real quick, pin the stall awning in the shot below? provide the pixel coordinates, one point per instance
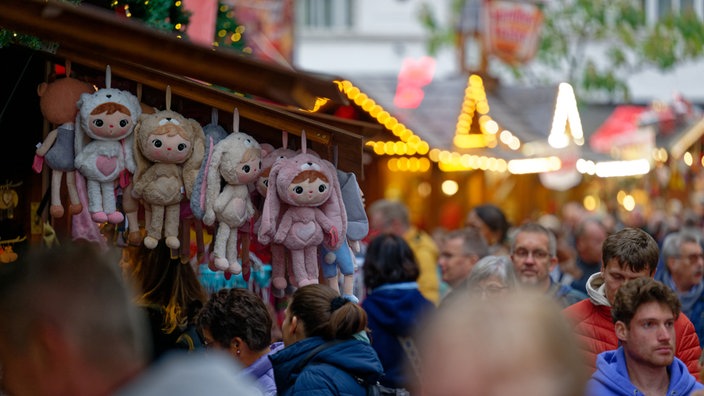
(96, 38)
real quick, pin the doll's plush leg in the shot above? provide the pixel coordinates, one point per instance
(109, 204)
(329, 267)
(220, 247)
(244, 240)
(278, 266)
(171, 220)
(56, 209)
(131, 206)
(95, 202)
(234, 266)
(154, 228)
(75, 206)
(311, 264)
(298, 262)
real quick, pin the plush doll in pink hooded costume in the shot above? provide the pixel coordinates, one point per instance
(279, 260)
(303, 209)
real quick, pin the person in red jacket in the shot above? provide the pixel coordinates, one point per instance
(626, 255)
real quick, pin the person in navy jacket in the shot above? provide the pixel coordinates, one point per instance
(317, 315)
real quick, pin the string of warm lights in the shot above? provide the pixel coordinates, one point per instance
(566, 128)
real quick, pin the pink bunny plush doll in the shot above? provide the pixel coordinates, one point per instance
(236, 160)
(279, 261)
(303, 209)
(107, 117)
(168, 150)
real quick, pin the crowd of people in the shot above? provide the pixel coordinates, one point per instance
(591, 307)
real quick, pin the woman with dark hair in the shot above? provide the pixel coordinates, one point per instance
(321, 354)
(170, 293)
(492, 223)
(238, 322)
(393, 304)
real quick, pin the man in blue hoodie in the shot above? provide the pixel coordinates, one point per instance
(644, 313)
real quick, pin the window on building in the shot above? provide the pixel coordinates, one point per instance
(324, 14)
(658, 9)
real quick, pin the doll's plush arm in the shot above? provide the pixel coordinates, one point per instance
(47, 143)
(284, 228)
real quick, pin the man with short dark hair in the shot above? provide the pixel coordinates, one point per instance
(644, 313)
(460, 250)
(534, 254)
(627, 255)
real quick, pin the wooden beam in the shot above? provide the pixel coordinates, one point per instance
(105, 33)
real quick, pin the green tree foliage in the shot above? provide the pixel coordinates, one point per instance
(597, 44)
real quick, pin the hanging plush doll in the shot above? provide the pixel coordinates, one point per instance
(193, 215)
(236, 160)
(57, 101)
(107, 117)
(357, 228)
(303, 209)
(168, 150)
(279, 260)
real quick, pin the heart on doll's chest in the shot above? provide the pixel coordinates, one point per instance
(106, 165)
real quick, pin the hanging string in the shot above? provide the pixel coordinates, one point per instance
(303, 141)
(284, 139)
(68, 68)
(108, 77)
(236, 120)
(139, 91)
(168, 97)
(214, 116)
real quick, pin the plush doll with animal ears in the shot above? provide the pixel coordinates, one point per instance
(107, 118)
(303, 209)
(237, 161)
(57, 101)
(168, 149)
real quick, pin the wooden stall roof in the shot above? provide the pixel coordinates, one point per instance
(96, 38)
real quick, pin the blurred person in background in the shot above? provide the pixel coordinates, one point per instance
(589, 237)
(459, 252)
(238, 322)
(386, 216)
(518, 344)
(169, 292)
(70, 327)
(683, 271)
(493, 225)
(492, 276)
(393, 304)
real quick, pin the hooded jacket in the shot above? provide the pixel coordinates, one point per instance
(331, 371)
(594, 328)
(611, 377)
(263, 372)
(393, 311)
(426, 252)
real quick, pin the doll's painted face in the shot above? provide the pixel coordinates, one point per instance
(170, 148)
(241, 170)
(110, 121)
(309, 188)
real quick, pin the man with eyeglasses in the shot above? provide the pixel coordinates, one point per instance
(682, 270)
(628, 254)
(534, 254)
